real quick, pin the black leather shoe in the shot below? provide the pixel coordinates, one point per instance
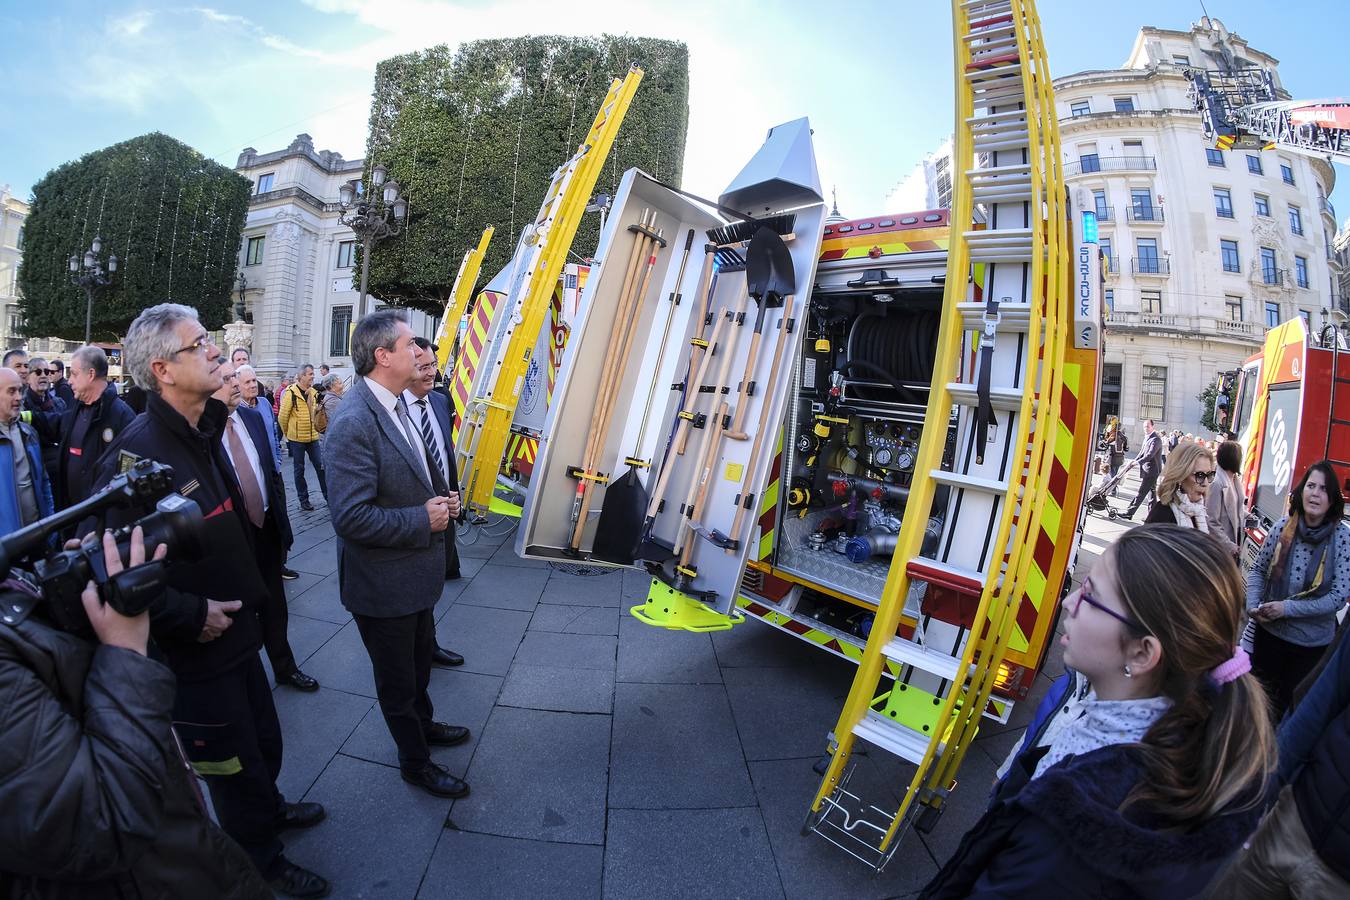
(300, 681)
(436, 779)
(443, 735)
(289, 574)
(295, 881)
(300, 815)
(306, 506)
(443, 657)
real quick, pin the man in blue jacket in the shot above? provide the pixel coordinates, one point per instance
(25, 494)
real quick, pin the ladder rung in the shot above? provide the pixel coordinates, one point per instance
(1012, 316)
(1013, 140)
(988, 173)
(1012, 193)
(908, 653)
(1000, 98)
(896, 739)
(997, 117)
(993, 65)
(945, 574)
(1002, 398)
(969, 482)
(986, 7)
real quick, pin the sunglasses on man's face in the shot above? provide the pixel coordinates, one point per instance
(41, 371)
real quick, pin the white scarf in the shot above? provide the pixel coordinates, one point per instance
(1103, 723)
(1189, 514)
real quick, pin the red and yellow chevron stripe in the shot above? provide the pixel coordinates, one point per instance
(475, 339)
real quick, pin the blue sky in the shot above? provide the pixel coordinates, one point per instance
(874, 77)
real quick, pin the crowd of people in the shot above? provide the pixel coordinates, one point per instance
(1167, 761)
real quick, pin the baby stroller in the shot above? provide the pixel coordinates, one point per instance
(1097, 499)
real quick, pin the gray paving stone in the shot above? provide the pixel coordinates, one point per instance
(675, 747)
(575, 619)
(713, 853)
(811, 867)
(313, 728)
(582, 590)
(487, 638)
(775, 722)
(752, 643)
(311, 536)
(299, 585)
(321, 559)
(558, 688)
(636, 584)
(964, 807)
(307, 635)
(459, 698)
(343, 664)
(474, 541)
(378, 834)
(468, 866)
(568, 651)
(506, 556)
(321, 601)
(665, 656)
(504, 587)
(539, 775)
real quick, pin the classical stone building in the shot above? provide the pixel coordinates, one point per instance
(13, 211)
(297, 261)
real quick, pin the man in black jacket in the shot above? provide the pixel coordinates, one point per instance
(87, 428)
(60, 386)
(98, 801)
(207, 626)
(1149, 461)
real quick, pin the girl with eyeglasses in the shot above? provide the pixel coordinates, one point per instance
(1297, 583)
(1147, 764)
(1181, 490)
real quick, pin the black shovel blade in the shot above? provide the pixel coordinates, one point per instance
(622, 514)
(768, 268)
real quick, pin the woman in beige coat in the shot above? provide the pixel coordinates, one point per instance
(1225, 504)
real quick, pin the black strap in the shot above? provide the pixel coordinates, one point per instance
(984, 409)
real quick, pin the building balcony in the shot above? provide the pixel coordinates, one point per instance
(1150, 215)
(1275, 277)
(1325, 206)
(1111, 266)
(1151, 265)
(1105, 213)
(1193, 326)
(1091, 165)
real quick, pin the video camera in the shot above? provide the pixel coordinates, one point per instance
(62, 574)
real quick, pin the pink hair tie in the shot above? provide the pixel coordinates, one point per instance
(1232, 669)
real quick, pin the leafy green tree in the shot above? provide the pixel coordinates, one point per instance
(172, 217)
(474, 135)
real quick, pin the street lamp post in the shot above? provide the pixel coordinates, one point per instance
(91, 272)
(372, 216)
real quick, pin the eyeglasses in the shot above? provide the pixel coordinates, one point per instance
(196, 345)
(1085, 597)
(42, 371)
(1203, 477)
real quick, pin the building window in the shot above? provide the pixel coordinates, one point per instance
(1112, 266)
(1223, 203)
(1080, 108)
(1146, 253)
(339, 332)
(1141, 204)
(1090, 162)
(254, 253)
(18, 239)
(1215, 157)
(1307, 319)
(1301, 271)
(1270, 272)
(1153, 393)
(1181, 59)
(1103, 211)
(1234, 304)
(1286, 173)
(1110, 296)
(1272, 313)
(1295, 220)
(1134, 149)
(1110, 389)
(15, 324)
(1231, 261)
(1254, 164)
(346, 253)
(1150, 302)
(1262, 205)
(265, 182)
(1124, 104)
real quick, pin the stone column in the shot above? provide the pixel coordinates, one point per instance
(275, 319)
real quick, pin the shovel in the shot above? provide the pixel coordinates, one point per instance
(770, 276)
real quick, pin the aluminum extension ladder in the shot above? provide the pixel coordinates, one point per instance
(465, 280)
(538, 264)
(999, 363)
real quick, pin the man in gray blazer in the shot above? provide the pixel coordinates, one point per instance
(391, 508)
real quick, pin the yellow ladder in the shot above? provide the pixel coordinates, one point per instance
(1007, 159)
(459, 298)
(536, 269)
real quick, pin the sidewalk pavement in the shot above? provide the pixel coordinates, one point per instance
(608, 759)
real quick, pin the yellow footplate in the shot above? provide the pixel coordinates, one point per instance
(668, 608)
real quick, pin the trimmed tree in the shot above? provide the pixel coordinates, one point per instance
(172, 217)
(474, 135)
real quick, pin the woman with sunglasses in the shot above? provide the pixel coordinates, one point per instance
(1148, 763)
(1181, 491)
(1297, 583)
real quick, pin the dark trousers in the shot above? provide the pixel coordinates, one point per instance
(272, 613)
(232, 737)
(400, 649)
(451, 552)
(1146, 485)
(299, 450)
(1281, 665)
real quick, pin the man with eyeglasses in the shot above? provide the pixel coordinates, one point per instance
(45, 408)
(207, 625)
(60, 386)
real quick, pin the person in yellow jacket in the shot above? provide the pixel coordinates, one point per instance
(296, 417)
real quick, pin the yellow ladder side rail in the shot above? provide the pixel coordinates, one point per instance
(569, 202)
(1048, 230)
(465, 280)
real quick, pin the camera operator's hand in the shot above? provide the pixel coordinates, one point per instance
(218, 619)
(113, 628)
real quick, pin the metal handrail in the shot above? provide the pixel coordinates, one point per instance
(1111, 164)
(1144, 213)
(1150, 265)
